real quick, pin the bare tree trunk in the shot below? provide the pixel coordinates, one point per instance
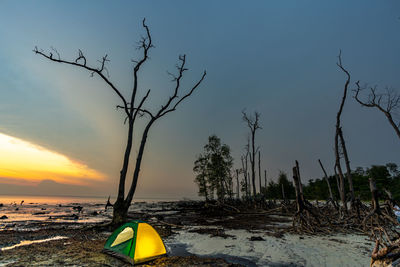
(237, 184)
(253, 124)
(299, 194)
(342, 192)
(338, 131)
(283, 193)
(259, 169)
(244, 167)
(303, 221)
(327, 180)
(252, 161)
(265, 181)
(376, 209)
(249, 183)
(299, 178)
(347, 161)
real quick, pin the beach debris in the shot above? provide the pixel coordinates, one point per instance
(16, 208)
(213, 232)
(3, 217)
(1, 205)
(108, 203)
(78, 208)
(22, 202)
(256, 238)
(39, 213)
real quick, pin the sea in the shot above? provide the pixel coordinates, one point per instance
(35, 212)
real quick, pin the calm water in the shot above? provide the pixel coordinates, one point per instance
(38, 211)
(15, 199)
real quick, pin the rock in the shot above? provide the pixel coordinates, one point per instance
(39, 213)
(3, 217)
(78, 208)
(1, 205)
(256, 238)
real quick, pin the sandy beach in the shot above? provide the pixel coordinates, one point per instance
(61, 235)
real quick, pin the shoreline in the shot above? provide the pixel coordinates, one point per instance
(193, 234)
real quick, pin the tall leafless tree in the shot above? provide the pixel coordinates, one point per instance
(265, 181)
(327, 180)
(259, 169)
(133, 108)
(244, 168)
(254, 124)
(237, 184)
(339, 137)
(387, 103)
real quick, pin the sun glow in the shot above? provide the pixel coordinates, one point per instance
(20, 159)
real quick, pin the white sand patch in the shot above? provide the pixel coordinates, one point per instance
(335, 250)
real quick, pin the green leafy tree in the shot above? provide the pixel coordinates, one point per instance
(213, 169)
(200, 167)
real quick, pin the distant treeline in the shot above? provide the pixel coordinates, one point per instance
(386, 176)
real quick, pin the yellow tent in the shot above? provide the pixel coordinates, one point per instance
(136, 242)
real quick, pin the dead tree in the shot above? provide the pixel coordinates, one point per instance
(132, 109)
(283, 193)
(244, 168)
(259, 170)
(332, 199)
(388, 103)
(299, 179)
(237, 184)
(339, 137)
(376, 209)
(305, 219)
(265, 181)
(253, 124)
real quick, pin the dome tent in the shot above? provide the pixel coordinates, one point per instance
(135, 242)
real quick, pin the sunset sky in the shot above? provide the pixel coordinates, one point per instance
(60, 126)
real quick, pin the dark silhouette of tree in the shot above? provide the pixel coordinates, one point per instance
(332, 198)
(133, 108)
(339, 137)
(237, 183)
(253, 124)
(259, 170)
(388, 103)
(214, 169)
(200, 167)
(245, 184)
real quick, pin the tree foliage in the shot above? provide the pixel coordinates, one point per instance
(386, 176)
(213, 170)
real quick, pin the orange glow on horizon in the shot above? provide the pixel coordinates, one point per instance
(20, 159)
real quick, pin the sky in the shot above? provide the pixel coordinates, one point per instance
(60, 132)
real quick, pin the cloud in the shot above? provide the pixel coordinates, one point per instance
(22, 160)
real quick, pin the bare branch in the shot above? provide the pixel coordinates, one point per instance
(181, 69)
(387, 103)
(146, 44)
(91, 69)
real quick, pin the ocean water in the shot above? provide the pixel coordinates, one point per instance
(35, 212)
